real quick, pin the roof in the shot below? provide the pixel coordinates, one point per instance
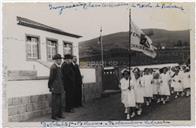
(34, 24)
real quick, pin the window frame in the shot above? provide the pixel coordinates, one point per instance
(68, 42)
(38, 46)
(53, 39)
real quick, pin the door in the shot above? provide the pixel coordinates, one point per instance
(110, 79)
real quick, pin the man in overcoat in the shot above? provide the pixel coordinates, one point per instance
(68, 82)
(78, 86)
(55, 85)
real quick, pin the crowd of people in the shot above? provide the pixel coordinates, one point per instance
(65, 78)
(142, 87)
(138, 87)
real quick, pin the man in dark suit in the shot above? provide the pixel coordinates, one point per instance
(69, 82)
(55, 85)
(78, 87)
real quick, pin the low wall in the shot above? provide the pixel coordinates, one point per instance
(91, 92)
(22, 107)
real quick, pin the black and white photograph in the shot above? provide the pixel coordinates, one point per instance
(98, 63)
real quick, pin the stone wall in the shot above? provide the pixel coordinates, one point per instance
(23, 108)
(26, 107)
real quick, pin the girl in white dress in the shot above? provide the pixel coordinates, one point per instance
(177, 82)
(127, 94)
(148, 88)
(171, 74)
(139, 91)
(186, 81)
(164, 86)
(156, 86)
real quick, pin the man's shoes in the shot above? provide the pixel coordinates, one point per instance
(72, 111)
(79, 105)
(54, 118)
(62, 117)
(69, 110)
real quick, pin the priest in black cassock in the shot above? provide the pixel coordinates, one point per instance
(69, 82)
(78, 86)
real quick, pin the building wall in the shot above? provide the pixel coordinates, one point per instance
(32, 98)
(18, 88)
(14, 44)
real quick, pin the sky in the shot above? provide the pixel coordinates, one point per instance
(87, 22)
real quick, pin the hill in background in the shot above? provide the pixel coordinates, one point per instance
(120, 40)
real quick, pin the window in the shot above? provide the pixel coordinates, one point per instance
(67, 48)
(32, 47)
(51, 48)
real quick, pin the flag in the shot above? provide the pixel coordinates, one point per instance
(139, 41)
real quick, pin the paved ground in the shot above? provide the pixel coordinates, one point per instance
(110, 108)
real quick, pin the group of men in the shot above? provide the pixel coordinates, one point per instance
(65, 77)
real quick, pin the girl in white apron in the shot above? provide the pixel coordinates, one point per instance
(164, 86)
(186, 81)
(171, 74)
(139, 91)
(127, 94)
(147, 83)
(156, 86)
(177, 83)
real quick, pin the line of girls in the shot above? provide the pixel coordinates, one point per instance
(139, 88)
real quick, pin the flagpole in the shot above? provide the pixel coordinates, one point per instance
(101, 47)
(129, 50)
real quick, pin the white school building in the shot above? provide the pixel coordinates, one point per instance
(28, 48)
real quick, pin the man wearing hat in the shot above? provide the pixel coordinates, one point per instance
(68, 82)
(55, 85)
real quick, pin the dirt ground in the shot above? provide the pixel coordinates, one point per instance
(111, 108)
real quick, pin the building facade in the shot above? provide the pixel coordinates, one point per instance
(29, 46)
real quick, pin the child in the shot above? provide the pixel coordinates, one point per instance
(156, 86)
(55, 85)
(177, 82)
(139, 90)
(127, 94)
(164, 86)
(186, 81)
(147, 83)
(171, 74)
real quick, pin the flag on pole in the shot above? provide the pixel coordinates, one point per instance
(140, 41)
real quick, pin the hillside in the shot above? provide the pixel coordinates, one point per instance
(119, 40)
